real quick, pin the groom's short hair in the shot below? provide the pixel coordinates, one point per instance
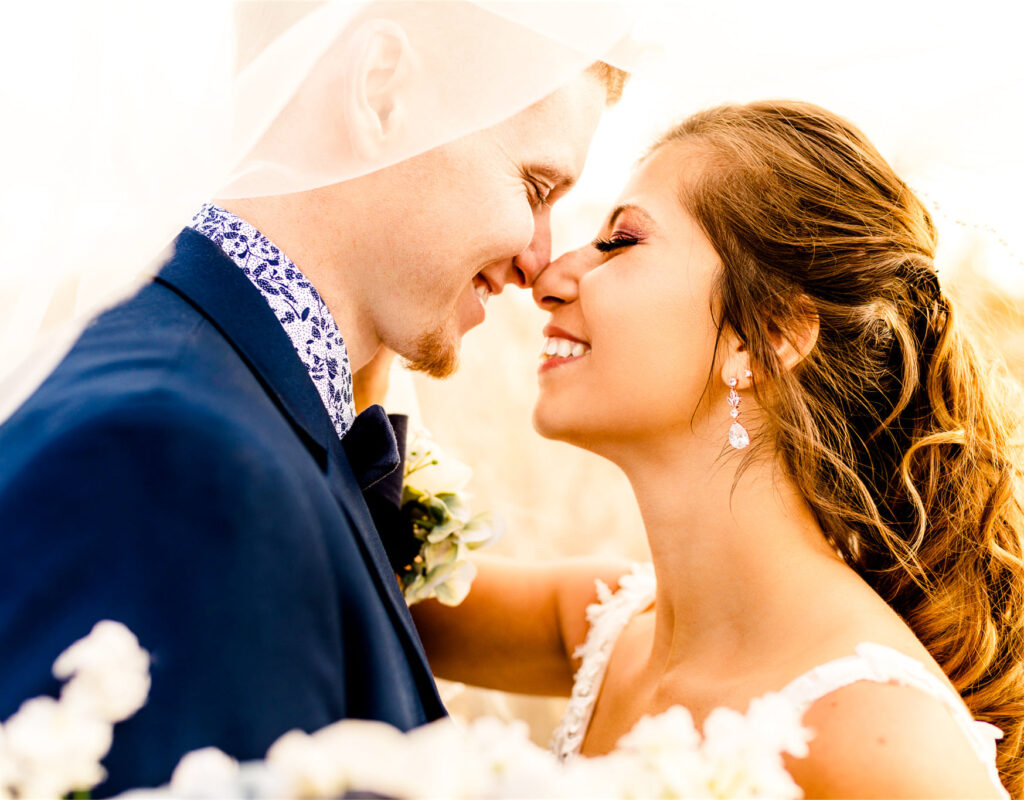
(613, 78)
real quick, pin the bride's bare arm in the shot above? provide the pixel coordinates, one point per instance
(519, 626)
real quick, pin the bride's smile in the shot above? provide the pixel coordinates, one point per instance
(638, 297)
(561, 347)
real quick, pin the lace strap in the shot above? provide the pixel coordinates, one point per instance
(606, 618)
(881, 664)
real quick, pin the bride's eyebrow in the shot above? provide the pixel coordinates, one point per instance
(638, 210)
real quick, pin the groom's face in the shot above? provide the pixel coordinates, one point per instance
(473, 216)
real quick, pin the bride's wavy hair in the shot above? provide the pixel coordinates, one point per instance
(900, 437)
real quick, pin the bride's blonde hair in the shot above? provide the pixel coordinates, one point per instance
(900, 437)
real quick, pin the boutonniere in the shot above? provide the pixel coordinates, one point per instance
(437, 506)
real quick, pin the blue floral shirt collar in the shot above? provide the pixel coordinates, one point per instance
(295, 302)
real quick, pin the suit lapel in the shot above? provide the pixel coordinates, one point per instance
(343, 485)
(203, 275)
(210, 281)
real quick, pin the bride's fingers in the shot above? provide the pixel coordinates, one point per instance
(370, 382)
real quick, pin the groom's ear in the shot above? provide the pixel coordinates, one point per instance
(381, 70)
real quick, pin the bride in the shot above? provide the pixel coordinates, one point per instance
(824, 466)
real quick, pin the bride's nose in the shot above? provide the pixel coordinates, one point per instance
(559, 282)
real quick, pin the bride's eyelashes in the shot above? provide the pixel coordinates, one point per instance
(615, 242)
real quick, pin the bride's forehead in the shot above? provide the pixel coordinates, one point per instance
(672, 163)
(663, 175)
(657, 179)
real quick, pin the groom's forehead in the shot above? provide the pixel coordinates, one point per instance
(553, 135)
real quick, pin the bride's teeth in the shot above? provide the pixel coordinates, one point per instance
(482, 293)
(563, 348)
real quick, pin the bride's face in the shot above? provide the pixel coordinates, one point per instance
(638, 302)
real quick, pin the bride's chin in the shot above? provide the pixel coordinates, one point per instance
(556, 427)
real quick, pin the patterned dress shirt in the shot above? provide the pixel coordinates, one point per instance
(295, 302)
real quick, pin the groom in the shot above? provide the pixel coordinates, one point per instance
(195, 468)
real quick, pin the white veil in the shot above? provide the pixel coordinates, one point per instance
(122, 117)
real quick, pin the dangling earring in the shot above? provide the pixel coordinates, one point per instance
(738, 436)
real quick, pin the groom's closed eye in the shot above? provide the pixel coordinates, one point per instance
(553, 178)
(538, 192)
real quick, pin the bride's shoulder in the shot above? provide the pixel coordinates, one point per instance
(881, 739)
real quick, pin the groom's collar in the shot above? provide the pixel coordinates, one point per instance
(296, 304)
(209, 280)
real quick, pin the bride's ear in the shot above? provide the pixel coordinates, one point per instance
(735, 359)
(381, 70)
(791, 346)
(799, 338)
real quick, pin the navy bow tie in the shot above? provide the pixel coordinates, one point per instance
(375, 446)
(371, 446)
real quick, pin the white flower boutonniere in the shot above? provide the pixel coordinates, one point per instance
(434, 501)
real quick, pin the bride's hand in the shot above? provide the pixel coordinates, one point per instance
(370, 383)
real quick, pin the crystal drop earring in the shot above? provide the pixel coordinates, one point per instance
(738, 436)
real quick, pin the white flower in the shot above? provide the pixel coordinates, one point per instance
(108, 672)
(619, 774)
(8, 775)
(776, 721)
(743, 753)
(439, 554)
(664, 751)
(513, 765)
(443, 521)
(666, 734)
(429, 469)
(308, 769)
(457, 516)
(208, 772)
(56, 748)
(738, 756)
(449, 583)
(444, 759)
(481, 531)
(352, 753)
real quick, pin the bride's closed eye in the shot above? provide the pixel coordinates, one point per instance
(615, 242)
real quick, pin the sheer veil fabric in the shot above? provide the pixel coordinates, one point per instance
(124, 117)
(121, 117)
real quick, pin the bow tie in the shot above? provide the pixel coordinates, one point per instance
(371, 446)
(374, 446)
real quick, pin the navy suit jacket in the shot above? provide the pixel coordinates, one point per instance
(179, 473)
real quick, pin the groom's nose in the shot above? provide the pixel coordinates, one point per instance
(529, 264)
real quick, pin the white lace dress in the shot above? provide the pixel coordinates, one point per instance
(870, 662)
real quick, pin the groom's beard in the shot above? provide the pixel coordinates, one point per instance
(435, 354)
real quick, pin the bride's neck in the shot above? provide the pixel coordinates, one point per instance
(729, 552)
